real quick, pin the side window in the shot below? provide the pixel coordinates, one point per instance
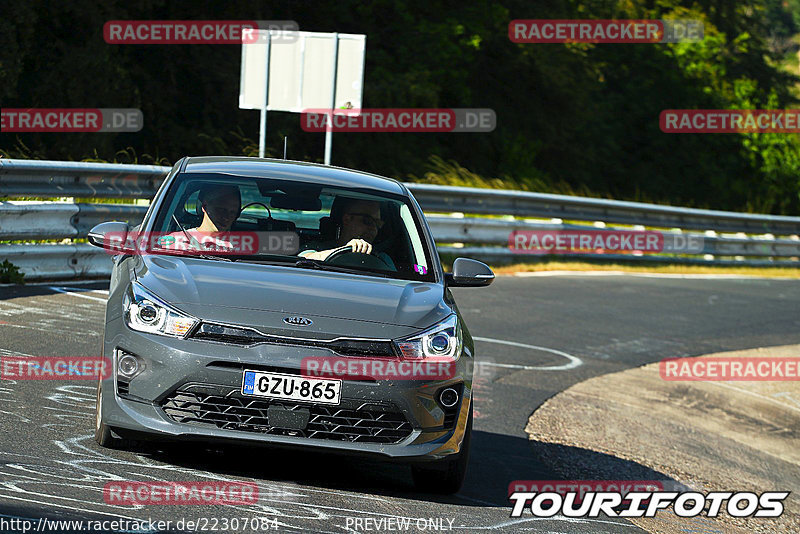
(183, 213)
(421, 264)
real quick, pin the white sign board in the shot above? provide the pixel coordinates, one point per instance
(301, 71)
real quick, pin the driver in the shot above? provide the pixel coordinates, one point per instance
(357, 228)
(221, 205)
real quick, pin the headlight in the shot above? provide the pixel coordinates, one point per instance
(147, 313)
(441, 341)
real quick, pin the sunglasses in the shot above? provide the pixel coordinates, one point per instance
(369, 219)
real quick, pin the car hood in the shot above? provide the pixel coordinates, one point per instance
(262, 296)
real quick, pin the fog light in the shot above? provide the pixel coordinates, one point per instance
(448, 397)
(128, 365)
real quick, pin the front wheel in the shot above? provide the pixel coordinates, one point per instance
(445, 476)
(103, 434)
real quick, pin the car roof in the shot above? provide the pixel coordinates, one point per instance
(300, 171)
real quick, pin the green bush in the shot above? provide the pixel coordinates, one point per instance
(9, 273)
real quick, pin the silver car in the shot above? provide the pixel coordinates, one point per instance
(291, 305)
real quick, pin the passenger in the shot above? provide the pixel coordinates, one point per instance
(221, 205)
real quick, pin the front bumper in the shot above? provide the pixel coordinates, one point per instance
(191, 390)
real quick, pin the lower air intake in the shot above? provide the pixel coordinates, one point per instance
(226, 408)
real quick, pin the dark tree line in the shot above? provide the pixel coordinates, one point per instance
(576, 118)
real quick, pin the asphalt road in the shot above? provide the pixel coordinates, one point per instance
(537, 336)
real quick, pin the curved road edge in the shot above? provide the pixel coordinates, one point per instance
(709, 436)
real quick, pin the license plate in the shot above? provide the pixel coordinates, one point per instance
(291, 387)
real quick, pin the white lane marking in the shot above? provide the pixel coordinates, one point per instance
(50, 330)
(651, 275)
(76, 294)
(574, 361)
(788, 395)
(9, 352)
(85, 459)
(754, 394)
(71, 282)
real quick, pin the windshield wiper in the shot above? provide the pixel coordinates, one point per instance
(306, 263)
(303, 263)
(183, 254)
(210, 257)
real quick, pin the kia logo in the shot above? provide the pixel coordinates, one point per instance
(298, 321)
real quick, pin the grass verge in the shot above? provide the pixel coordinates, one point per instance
(771, 272)
(638, 266)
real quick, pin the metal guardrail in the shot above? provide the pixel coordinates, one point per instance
(484, 238)
(21, 178)
(33, 178)
(58, 262)
(475, 230)
(58, 220)
(435, 198)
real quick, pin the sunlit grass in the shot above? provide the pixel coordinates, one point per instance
(781, 272)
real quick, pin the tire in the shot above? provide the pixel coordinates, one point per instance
(445, 476)
(103, 434)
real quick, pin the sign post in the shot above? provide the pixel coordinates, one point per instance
(295, 71)
(262, 127)
(329, 129)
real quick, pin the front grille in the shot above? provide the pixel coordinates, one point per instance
(248, 337)
(228, 409)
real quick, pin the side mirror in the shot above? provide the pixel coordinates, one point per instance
(112, 236)
(469, 273)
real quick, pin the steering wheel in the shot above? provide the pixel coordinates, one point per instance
(257, 204)
(347, 257)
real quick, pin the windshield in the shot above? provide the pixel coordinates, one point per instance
(300, 224)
